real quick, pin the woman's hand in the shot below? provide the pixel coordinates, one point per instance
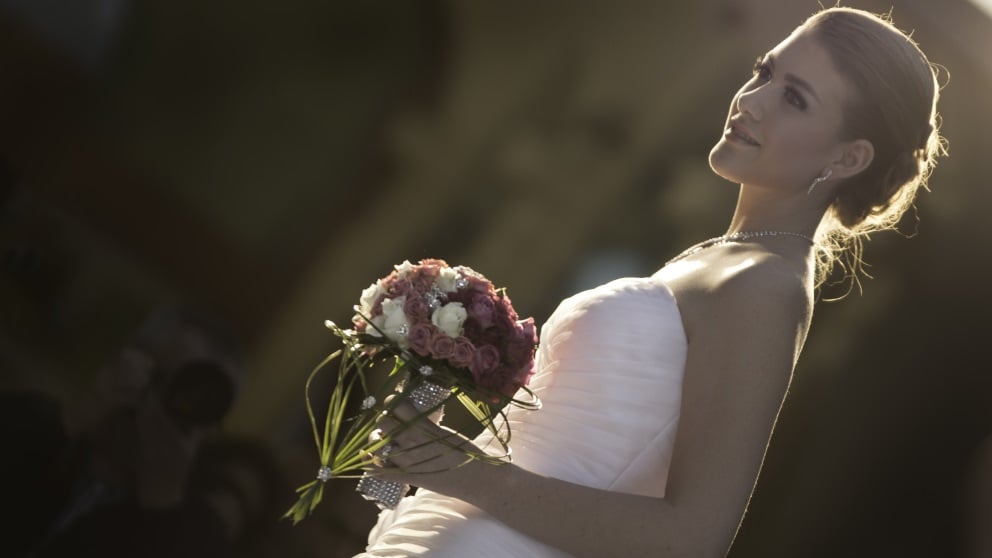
(422, 453)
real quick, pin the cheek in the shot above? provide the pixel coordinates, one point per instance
(796, 156)
(802, 146)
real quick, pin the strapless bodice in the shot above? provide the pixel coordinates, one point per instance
(609, 374)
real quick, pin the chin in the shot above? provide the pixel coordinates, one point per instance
(721, 167)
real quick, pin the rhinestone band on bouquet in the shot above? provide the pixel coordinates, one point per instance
(449, 334)
(387, 494)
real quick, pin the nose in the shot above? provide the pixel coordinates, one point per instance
(748, 102)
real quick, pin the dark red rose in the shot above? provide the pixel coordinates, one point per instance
(501, 381)
(486, 360)
(482, 309)
(472, 332)
(528, 330)
(525, 372)
(504, 302)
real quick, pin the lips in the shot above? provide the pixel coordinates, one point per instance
(740, 133)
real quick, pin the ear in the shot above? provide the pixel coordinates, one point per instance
(855, 157)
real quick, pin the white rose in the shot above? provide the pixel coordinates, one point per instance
(395, 320)
(446, 280)
(379, 322)
(449, 318)
(404, 268)
(369, 296)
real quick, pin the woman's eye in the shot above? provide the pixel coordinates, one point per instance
(761, 70)
(794, 98)
(763, 73)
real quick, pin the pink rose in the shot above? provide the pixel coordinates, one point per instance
(463, 354)
(425, 273)
(422, 282)
(433, 263)
(399, 287)
(442, 346)
(420, 336)
(416, 309)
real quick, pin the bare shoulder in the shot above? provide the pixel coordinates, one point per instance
(744, 290)
(763, 280)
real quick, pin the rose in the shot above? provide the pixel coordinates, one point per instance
(420, 337)
(493, 336)
(502, 381)
(518, 353)
(522, 342)
(449, 318)
(463, 354)
(481, 310)
(442, 346)
(398, 286)
(472, 331)
(447, 279)
(528, 331)
(485, 361)
(422, 282)
(369, 297)
(425, 273)
(504, 302)
(404, 268)
(394, 321)
(432, 264)
(525, 372)
(476, 281)
(415, 308)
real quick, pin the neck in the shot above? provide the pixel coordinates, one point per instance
(764, 209)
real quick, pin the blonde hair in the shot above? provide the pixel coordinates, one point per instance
(895, 108)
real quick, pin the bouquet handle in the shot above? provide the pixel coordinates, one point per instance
(387, 494)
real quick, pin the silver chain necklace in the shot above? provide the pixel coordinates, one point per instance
(735, 237)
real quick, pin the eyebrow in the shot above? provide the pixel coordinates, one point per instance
(794, 79)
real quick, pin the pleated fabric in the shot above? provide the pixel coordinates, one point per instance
(609, 375)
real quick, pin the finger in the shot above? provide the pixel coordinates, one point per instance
(382, 457)
(378, 450)
(404, 410)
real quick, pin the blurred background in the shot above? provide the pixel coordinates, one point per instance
(265, 161)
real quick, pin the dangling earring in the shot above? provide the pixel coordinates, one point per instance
(818, 180)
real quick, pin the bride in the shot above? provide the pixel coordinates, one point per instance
(660, 393)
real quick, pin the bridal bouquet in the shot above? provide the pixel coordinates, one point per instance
(445, 332)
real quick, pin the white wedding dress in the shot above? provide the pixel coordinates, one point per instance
(609, 375)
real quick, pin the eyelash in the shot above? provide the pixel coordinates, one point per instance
(763, 72)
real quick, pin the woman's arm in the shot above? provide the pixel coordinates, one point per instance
(738, 367)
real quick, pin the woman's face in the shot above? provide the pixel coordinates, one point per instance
(784, 124)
